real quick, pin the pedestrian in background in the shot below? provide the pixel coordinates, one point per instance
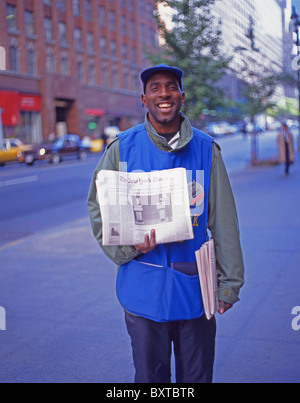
(285, 145)
(167, 140)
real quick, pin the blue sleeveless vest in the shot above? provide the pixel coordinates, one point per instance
(148, 286)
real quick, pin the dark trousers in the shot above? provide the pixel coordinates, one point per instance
(194, 349)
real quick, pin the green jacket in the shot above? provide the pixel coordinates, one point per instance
(222, 215)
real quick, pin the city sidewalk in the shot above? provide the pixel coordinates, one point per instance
(256, 342)
(64, 323)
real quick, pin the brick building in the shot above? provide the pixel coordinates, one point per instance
(72, 65)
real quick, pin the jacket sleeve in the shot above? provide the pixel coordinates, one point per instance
(109, 161)
(224, 227)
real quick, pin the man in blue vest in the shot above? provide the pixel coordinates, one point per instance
(162, 298)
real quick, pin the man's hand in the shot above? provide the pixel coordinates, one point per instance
(149, 243)
(223, 307)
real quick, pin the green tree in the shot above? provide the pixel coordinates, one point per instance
(194, 45)
(260, 82)
(286, 108)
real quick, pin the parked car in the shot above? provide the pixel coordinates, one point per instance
(219, 129)
(11, 150)
(276, 125)
(227, 128)
(69, 145)
(213, 129)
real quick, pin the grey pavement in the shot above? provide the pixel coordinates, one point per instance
(64, 324)
(256, 342)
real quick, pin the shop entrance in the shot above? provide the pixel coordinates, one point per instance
(62, 111)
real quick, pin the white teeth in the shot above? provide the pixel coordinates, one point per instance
(164, 106)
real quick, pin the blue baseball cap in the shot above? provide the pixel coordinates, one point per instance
(162, 67)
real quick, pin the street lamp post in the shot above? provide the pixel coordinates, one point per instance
(296, 22)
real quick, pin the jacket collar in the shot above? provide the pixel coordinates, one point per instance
(186, 135)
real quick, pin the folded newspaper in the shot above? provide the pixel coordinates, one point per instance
(207, 267)
(134, 203)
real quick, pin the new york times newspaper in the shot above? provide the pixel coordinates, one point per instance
(132, 204)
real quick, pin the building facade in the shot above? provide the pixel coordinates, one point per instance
(271, 45)
(72, 65)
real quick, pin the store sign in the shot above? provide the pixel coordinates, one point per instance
(95, 112)
(30, 103)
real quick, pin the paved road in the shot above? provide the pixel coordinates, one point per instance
(41, 197)
(63, 322)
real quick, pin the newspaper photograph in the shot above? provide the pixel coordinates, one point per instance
(134, 203)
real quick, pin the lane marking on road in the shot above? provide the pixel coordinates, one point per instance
(19, 181)
(50, 233)
(14, 243)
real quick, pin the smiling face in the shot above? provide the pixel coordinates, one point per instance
(163, 98)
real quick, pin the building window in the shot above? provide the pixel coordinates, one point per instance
(102, 19)
(90, 43)
(92, 73)
(103, 46)
(132, 29)
(104, 76)
(31, 60)
(130, 5)
(50, 61)
(123, 25)
(78, 39)
(113, 49)
(62, 33)
(48, 33)
(142, 7)
(136, 82)
(29, 25)
(76, 8)
(80, 73)
(126, 80)
(124, 53)
(115, 78)
(143, 33)
(64, 64)
(11, 17)
(149, 11)
(152, 37)
(60, 4)
(13, 55)
(133, 56)
(88, 10)
(112, 20)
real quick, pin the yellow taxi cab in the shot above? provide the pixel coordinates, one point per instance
(10, 150)
(97, 146)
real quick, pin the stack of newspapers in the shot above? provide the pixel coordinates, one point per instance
(207, 268)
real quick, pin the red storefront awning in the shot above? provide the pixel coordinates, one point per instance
(12, 103)
(10, 106)
(95, 112)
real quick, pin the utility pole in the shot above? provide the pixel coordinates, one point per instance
(296, 22)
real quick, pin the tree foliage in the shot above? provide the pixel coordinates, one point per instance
(193, 44)
(259, 83)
